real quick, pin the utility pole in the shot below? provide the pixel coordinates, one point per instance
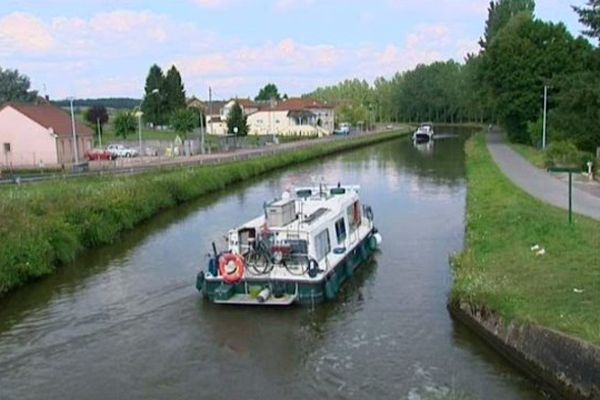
(545, 117)
(99, 134)
(202, 119)
(210, 110)
(74, 132)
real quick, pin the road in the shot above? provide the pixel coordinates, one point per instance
(539, 183)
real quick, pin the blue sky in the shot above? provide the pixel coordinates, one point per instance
(98, 48)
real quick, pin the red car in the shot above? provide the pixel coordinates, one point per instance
(98, 155)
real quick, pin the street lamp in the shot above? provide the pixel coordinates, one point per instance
(139, 115)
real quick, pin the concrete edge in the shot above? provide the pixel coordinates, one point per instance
(565, 366)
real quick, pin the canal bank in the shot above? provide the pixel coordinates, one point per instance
(528, 282)
(50, 223)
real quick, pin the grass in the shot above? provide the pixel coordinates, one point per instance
(531, 154)
(47, 224)
(498, 270)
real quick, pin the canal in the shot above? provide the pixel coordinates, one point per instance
(125, 321)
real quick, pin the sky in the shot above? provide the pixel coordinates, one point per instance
(104, 48)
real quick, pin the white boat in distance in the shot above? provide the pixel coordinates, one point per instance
(424, 133)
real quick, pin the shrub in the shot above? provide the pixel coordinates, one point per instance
(563, 154)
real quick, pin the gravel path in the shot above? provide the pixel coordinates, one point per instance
(539, 183)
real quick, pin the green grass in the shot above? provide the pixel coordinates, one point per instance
(531, 154)
(50, 223)
(498, 270)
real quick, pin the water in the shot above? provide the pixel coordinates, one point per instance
(125, 321)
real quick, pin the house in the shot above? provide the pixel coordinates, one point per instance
(40, 134)
(296, 116)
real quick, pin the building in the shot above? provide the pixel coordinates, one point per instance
(40, 135)
(301, 117)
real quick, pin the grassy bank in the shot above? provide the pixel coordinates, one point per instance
(498, 270)
(46, 224)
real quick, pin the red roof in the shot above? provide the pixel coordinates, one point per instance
(246, 103)
(297, 105)
(51, 116)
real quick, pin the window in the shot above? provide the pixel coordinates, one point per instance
(7, 147)
(353, 213)
(276, 121)
(322, 244)
(340, 230)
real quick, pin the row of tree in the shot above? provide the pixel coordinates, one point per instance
(504, 82)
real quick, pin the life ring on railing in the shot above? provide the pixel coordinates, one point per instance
(231, 268)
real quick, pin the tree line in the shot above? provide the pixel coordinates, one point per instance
(502, 83)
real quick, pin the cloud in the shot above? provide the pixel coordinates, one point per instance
(24, 33)
(285, 5)
(212, 3)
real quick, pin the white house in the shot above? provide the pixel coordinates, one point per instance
(40, 134)
(299, 116)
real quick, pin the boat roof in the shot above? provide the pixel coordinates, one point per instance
(315, 209)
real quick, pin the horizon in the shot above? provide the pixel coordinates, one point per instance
(105, 48)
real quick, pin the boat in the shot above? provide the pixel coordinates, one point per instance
(300, 250)
(424, 133)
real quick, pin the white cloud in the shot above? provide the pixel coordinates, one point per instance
(285, 5)
(24, 33)
(212, 3)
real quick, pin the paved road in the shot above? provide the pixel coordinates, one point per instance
(538, 182)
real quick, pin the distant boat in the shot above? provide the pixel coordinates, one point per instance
(424, 133)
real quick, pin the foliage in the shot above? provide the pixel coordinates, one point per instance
(269, 92)
(174, 91)
(535, 131)
(236, 120)
(119, 103)
(525, 55)
(124, 124)
(576, 116)
(590, 17)
(500, 13)
(562, 154)
(15, 87)
(498, 270)
(96, 115)
(153, 104)
(50, 223)
(184, 121)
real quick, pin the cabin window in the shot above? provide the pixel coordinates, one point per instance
(340, 230)
(7, 147)
(322, 244)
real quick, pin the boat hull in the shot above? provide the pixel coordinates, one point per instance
(297, 291)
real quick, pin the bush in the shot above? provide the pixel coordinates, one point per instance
(562, 154)
(534, 130)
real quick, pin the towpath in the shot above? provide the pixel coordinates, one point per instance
(539, 183)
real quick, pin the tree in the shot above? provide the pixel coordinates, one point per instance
(236, 120)
(590, 17)
(267, 93)
(124, 124)
(97, 115)
(523, 57)
(174, 91)
(15, 87)
(153, 104)
(500, 13)
(576, 117)
(184, 120)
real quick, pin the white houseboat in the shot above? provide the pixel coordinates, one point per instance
(300, 250)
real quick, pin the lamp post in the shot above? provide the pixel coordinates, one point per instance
(139, 115)
(544, 128)
(74, 132)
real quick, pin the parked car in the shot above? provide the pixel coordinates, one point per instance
(118, 150)
(98, 155)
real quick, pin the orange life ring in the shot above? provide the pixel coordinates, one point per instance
(231, 268)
